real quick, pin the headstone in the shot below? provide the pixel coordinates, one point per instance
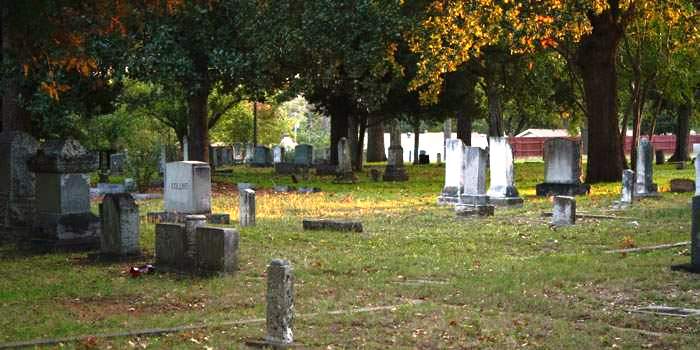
(277, 154)
(627, 187)
(473, 176)
(564, 212)
(247, 207)
(454, 167)
(502, 189)
(304, 155)
(644, 183)
(660, 157)
(474, 210)
(682, 185)
(423, 158)
(129, 185)
(116, 163)
(395, 171)
(344, 172)
(280, 302)
(238, 152)
(325, 169)
(249, 152)
(262, 157)
(63, 218)
(217, 250)
(192, 222)
(185, 149)
(439, 159)
(562, 172)
(103, 172)
(119, 216)
(17, 185)
(332, 225)
(285, 168)
(213, 157)
(187, 187)
(694, 265)
(171, 247)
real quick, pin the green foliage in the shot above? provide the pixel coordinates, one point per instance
(236, 124)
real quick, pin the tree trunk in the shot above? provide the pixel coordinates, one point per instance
(375, 141)
(596, 59)
(416, 142)
(464, 128)
(359, 146)
(198, 116)
(353, 127)
(255, 123)
(14, 117)
(682, 132)
(493, 94)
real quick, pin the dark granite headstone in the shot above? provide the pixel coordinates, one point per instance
(17, 185)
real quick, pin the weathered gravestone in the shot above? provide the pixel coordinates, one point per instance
(395, 171)
(119, 217)
(238, 152)
(277, 154)
(187, 191)
(344, 172)
(564, 212)
(660, 157)
(303, 155)
(192, 222)
(627, 195)
(280, 302)
(171, 247)
(247, 207)
(454, 167)
(63, 217)
(262, 157)
(249, 153)
(439, 159)
(682, 185)
(473, 199)
(423, 158)
(332, 225)
(217, 250)
(17, 185)
(694, 265)
(562, 172)
(502, 189)
(116, 163)
(644, 183)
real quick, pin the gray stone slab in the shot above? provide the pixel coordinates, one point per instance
(217, 250)
(17, 184)
(262, 157)
(304, 155)
(280, 302)
(344, 172)
(332, 225)
(502, 191)
(627, 195)
(454, 168)
(247, 208)
(119, 216)
(564, 211)
(466, 210)
(171, 247)
(644, 183)
(473, 176)
(187, 187)
(682, 185)
(395, 170)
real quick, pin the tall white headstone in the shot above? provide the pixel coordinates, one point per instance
(644, 183)
(502, 189)
(454, 168)
(187, 187)
(474, 176)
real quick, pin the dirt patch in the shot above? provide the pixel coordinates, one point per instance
(99, 308)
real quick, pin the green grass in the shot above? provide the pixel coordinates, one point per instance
(508, 281)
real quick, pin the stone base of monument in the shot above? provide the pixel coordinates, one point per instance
(393, 173)
(162, 216)
(467, 199)
(506, 201)
(689, 268)
(325, 169)
(332, 225)
(285, 168)
(555, 189)
(447, 200)
(66, 232)
(682, 185)
(467, 210)
(652, 192)
(265, 344)
(345, 178)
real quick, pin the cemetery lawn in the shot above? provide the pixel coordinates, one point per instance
(508, 281)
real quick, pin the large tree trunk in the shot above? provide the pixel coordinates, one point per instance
(682, 132)
(198, 116)
(359, 146)
(464, 127)
(596, 59)
(338, 109)
(375, 141)
(14, 117)
(353, 126)
(493, 95)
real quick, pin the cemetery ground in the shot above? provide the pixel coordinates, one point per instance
(506, 281)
